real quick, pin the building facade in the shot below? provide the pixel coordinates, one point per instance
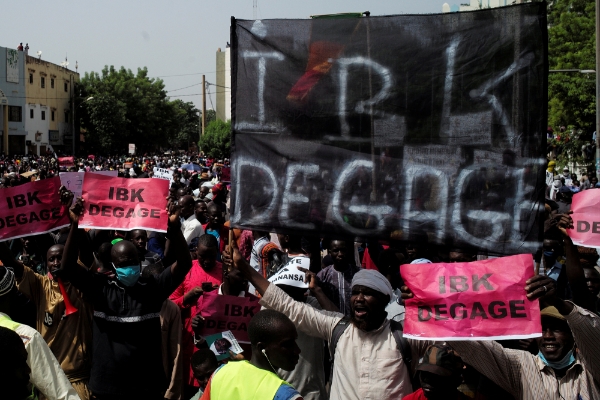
(478, 5)
(223, 89)
(12, 100)
(48, 112)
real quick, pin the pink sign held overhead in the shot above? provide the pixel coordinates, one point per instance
(586, 218)
(481, 300)
(31, 209)
(124, 204)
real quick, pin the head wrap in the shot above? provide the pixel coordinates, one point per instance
(374, 280)
(290, 275)
(7, 282)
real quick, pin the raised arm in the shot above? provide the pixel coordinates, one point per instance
(178, 245)
(317, 292)
(581, 295)
(69, 267)
(9, 260)
(313, 322)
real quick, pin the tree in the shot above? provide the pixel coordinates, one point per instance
(126, 108)
(186, 118)
(571, 95)
(216, 141)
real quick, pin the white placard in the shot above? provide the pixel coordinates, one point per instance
(163, 173)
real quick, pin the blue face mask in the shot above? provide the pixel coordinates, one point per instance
(128, 275)
(562, 364)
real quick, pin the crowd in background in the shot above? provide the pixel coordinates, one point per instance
(118, 314)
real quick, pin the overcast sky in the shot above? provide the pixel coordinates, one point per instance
(175, 39)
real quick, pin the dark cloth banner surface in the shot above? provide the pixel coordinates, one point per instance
(32, 208)
(393, 127)
(124, 204)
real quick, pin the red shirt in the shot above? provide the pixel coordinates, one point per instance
(194, 278)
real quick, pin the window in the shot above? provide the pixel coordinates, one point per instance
(31, 78)
(43, 115)
(14, 114)
(52, 115)
(67, 116)
(31, 113)
(66, 87)
(43, 82)
(52, 83)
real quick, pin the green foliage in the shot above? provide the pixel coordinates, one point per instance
(571, 95)
(186, 119)
(572, 45)
(211, 115)
(216, 141)
(129, 108)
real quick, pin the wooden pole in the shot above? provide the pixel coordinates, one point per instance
(203, 104)
(5, 129)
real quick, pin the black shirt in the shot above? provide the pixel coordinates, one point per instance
(127, 358)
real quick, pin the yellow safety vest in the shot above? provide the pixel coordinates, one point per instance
(8, 323)
(240, 380)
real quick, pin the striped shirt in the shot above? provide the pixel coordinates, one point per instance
(337, 286)
(525, 376)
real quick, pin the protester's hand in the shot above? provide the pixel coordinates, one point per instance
(209, 286)
(76, 210)
(174, 220)
(192, 296)
(564, 222)
(234, 258)
(310, 278)
(541, 287)
(235, 357)
(66, 196)
(197, 323)
(406, 294)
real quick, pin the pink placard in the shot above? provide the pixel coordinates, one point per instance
(471, 301)
(586, 218)
(228, 313)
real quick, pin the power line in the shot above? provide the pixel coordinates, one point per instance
(214, 84)
(174, 90)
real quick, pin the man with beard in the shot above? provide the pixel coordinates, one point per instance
(367, 362)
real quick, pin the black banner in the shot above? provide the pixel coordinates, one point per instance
(393, 127)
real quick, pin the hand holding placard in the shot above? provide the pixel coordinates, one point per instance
(126, 204)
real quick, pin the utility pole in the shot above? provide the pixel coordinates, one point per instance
(73, 116)
(204, 103)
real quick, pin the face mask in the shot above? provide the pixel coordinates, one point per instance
(549, 254)
(562, 364)
(128, 275)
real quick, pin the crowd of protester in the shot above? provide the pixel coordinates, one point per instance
(118, 315)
